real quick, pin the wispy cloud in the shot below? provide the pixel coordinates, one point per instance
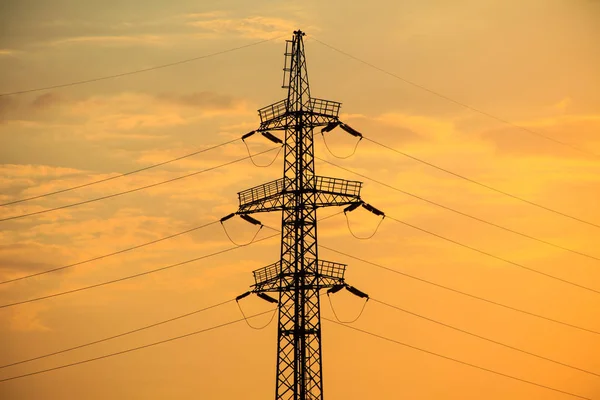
(7, 53)
(251, 27)
(114, 40)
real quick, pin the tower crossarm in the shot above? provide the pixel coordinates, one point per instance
(270, 196)
(275, 116)
(271, 277)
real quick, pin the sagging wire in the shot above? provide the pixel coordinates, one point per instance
(269, 136)
(244, 217)
(354, 291)
(369, 208)
(262, 296)
(348, 129)
(337, 156)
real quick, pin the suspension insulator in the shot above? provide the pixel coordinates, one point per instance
(247, 135)
(372, 209)
(335, 289)
(250, 219)
(267, 298)
(241, 296)
(351, 131)
(330, 126)
(356, 292)
(352, 207)
(225, 218)
(272, 137)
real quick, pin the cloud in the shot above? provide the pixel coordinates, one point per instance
(46, 100)
(251, 27)
(203, 100)
(563, 105)
(578, 130)
(7, 53)
(28, 319)
(35, 171)
(113, 40)
(103, 116)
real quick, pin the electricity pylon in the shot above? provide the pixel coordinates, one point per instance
(299, 274)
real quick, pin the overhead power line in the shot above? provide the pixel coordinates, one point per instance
(132, 349)
(137, 247)
(489, 187)
(130, 276)
(456, 360)
(457, 211)
(463, 293)
(109, 254)
(117, 176)
(482, 337)
(442, 96)
(131, 190)
(138, 71)
(494, 256)
(118, 335)
(407, 275)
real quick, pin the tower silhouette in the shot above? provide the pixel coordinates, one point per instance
(299, 274)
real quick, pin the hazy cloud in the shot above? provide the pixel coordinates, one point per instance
(579, 130)
(46, 100)
(203, 100)
(113, 40)
(7, 52)
(252, 27)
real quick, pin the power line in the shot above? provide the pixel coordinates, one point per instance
(130, 276)
(118, 335)
(458, 212)
(138, 71)
(494, 256)
(482, 337)
(109, 254)
(449, 288)
(487, 114)
(456, 360)
(490, 188)
(132, 349)
(407, 275)
(131, 190)
(137, 247)
(117, 176)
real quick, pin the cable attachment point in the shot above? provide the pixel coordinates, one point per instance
(272, 137)
(351, 131)
(372, 209)
(354, 291)
(251, 220)
(241, 296)
(247, 135)
(267, 298)
(225, 218)
(353, 207)
(244, 217)
(330, 126)
(335, 289)
(369, 208)
(357, 292)
(268, 136)
(345, 127)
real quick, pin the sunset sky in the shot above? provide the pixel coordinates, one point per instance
(534, 63)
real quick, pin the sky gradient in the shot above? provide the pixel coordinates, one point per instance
(533, 63)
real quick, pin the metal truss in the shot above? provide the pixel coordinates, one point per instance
(299, 274)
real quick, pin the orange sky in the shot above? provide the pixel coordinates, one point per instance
(531, 62)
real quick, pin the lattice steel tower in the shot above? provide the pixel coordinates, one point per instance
(299, 274)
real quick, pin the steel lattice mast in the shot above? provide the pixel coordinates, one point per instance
(299, 274)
